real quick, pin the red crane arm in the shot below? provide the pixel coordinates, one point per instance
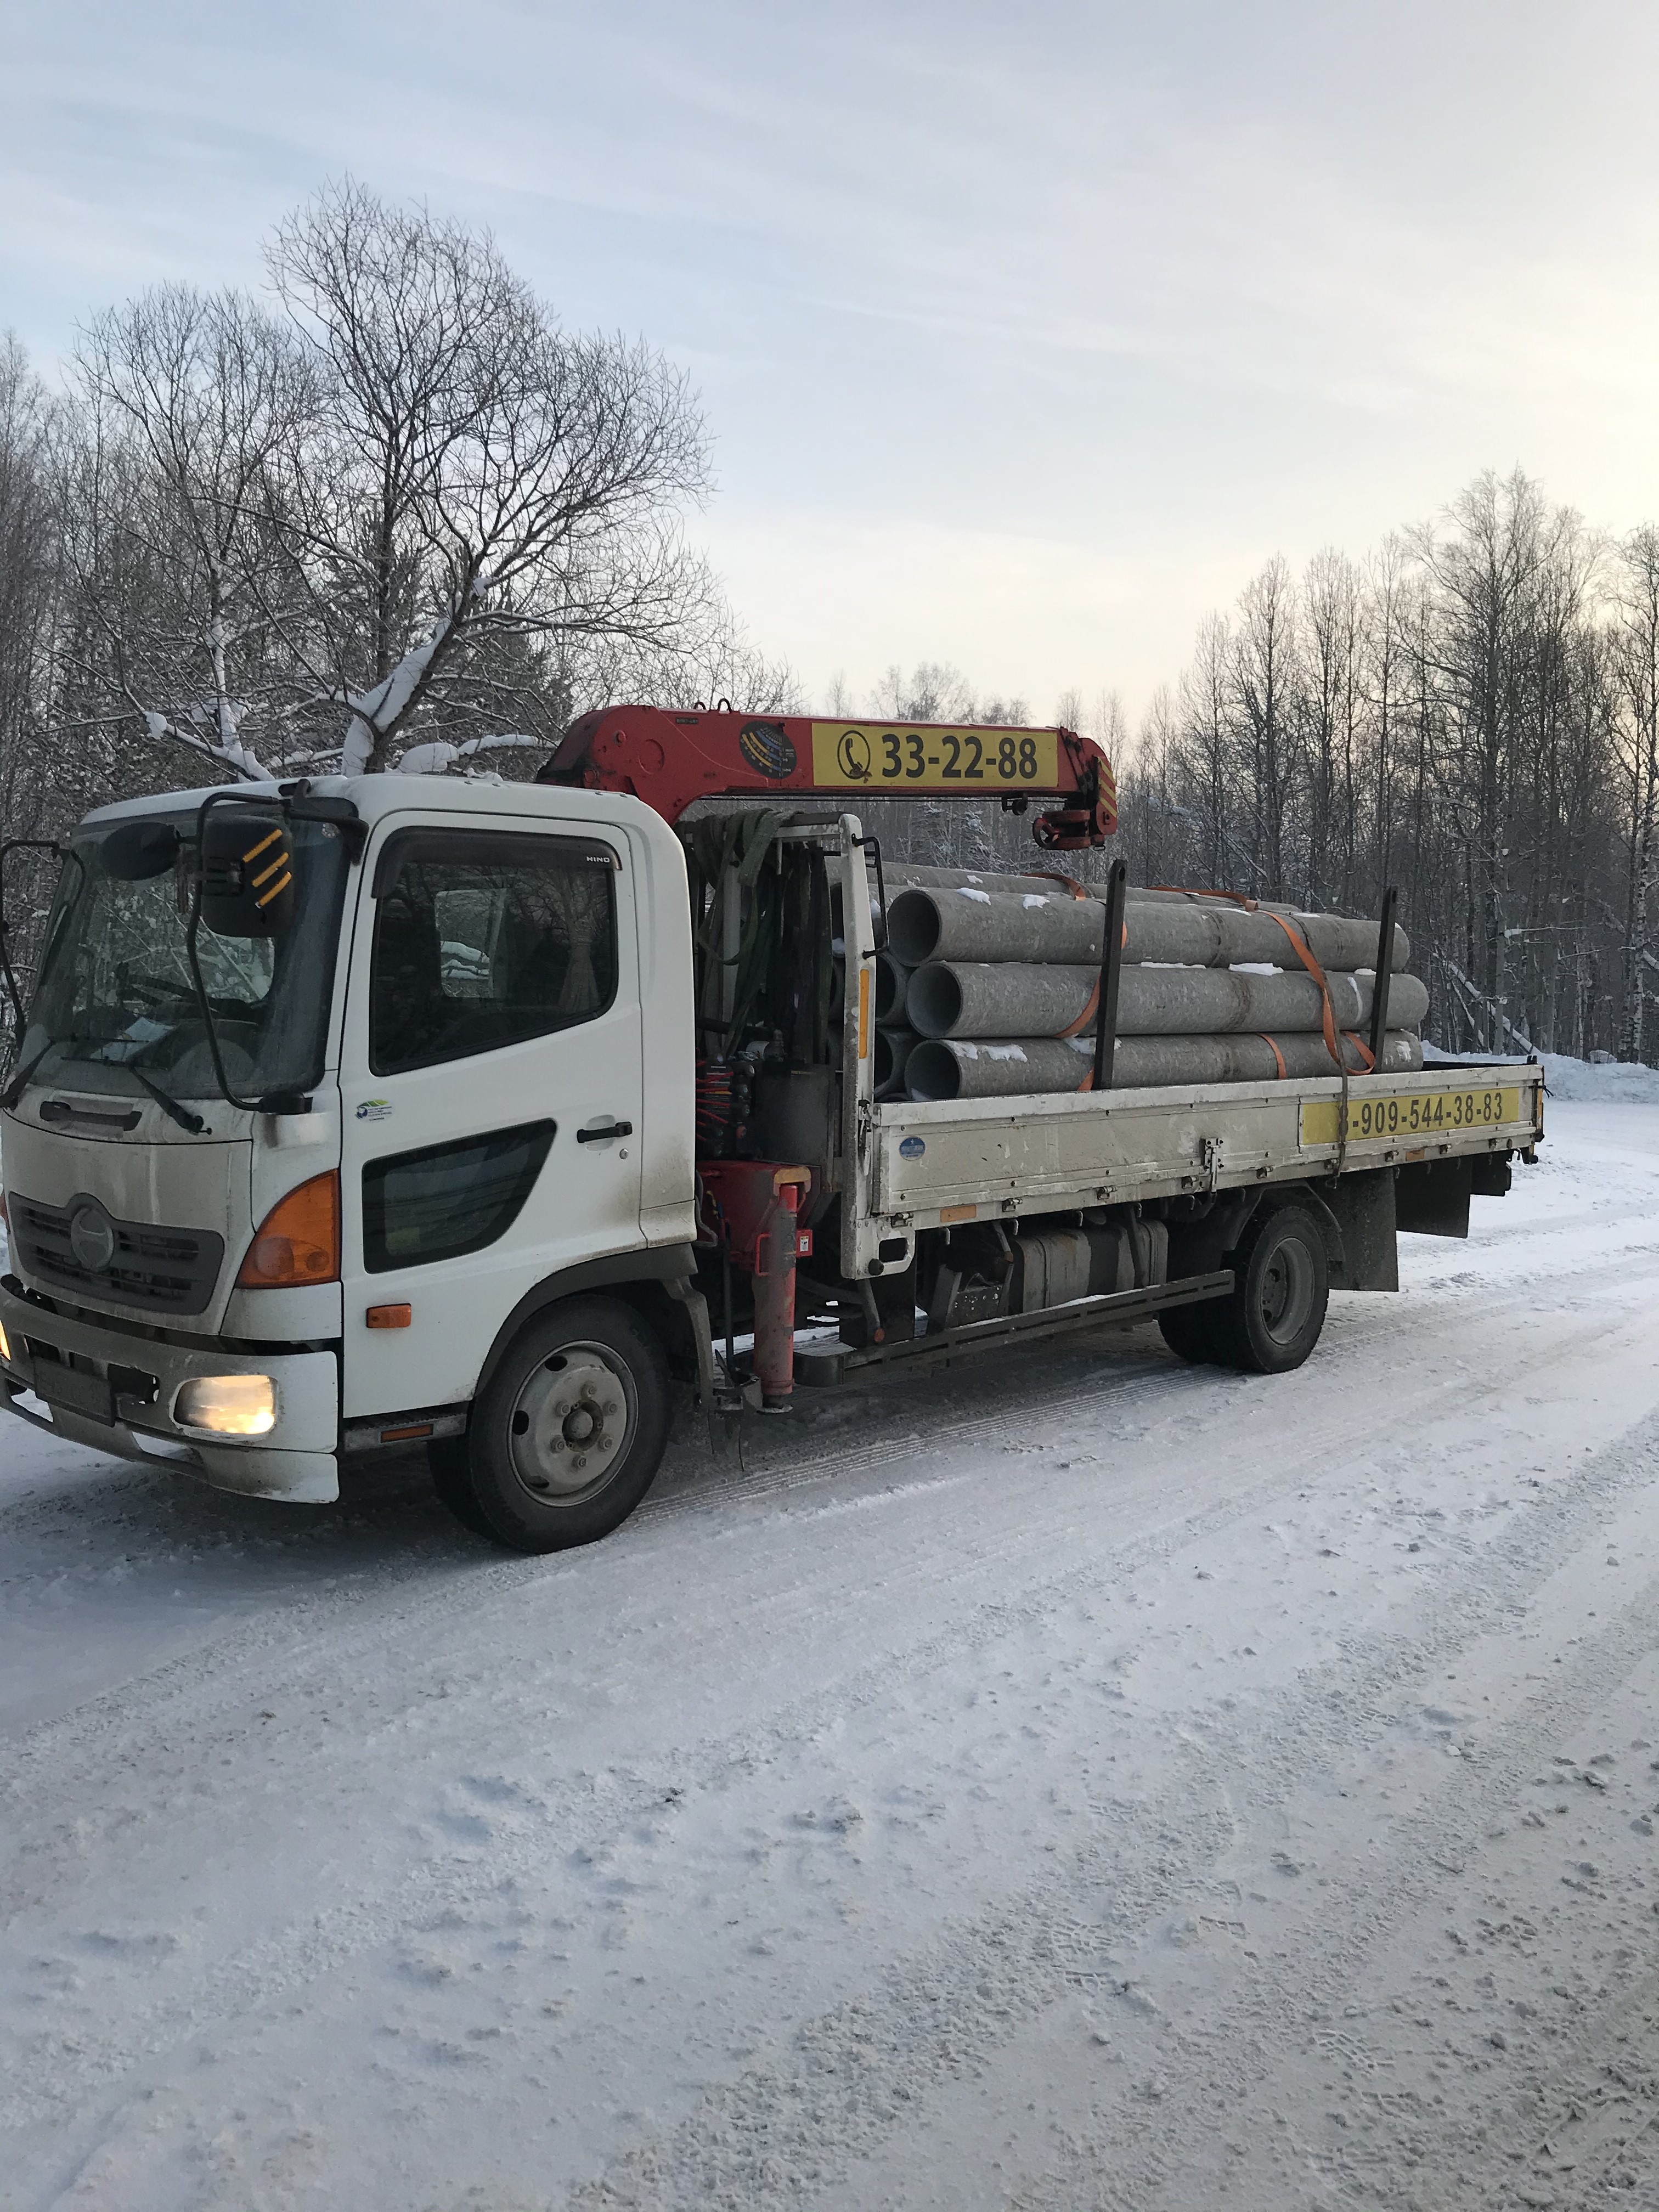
(668, 759)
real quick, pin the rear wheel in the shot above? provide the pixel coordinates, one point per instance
(1281, 1287)
(566, 1437)
(1191, 1332)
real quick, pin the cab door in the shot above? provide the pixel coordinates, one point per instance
(492, 1089)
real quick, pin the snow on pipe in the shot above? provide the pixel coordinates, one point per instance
(957, 1067)
(892, 978)
(965, 922)
(1004, 998)
(893, 1049)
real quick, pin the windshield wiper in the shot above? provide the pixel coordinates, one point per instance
(168, 1105)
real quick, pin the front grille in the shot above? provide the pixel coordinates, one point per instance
(173, 1270)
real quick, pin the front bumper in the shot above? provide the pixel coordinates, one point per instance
(58, 1358)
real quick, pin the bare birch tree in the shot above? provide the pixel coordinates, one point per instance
(481, 477)
(191, 404)
(1634, 730)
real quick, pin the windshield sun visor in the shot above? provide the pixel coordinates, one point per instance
(135, 851)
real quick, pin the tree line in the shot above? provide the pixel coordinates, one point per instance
(1469, 713)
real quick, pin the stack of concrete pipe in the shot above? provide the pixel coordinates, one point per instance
(989, 985)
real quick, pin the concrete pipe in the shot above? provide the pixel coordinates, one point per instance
(1205, 1001)
(891, 1055)
(955, 1067)
(997, 999)
(1011, 998)
(965, 922)
(1224, 937)
(1142, 1063)
(1336, 940)
(892, 979)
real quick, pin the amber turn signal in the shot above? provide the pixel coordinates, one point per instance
(299, 1240)
(390, 1316)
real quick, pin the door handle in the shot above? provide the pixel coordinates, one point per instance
(597, 1136)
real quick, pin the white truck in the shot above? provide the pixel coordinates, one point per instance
(362, 1115)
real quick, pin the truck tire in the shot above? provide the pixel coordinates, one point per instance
(449, 1462)
(1281, 1287)
(567, 1435)
(1196, 1333)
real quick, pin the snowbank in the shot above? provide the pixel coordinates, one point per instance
(1604, 1083)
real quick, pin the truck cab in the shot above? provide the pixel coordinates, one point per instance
(288, 1172)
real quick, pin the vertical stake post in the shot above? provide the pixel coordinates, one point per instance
(1111, 974)
(1384, 975)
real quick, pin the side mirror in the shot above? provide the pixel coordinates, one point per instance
(249, 888)
(137, 850)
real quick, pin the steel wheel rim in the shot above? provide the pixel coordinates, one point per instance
(1284, 1297)
(572, 1424)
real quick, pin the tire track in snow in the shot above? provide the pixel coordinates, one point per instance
(252, 1976)
(175, 1704)
(786, 2135)
(178, 1702)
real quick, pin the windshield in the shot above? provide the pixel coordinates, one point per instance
(116, 992)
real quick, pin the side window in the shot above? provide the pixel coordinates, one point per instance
(445, 1199)
(485, 938)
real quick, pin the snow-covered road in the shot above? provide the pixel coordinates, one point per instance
(1081, 1781)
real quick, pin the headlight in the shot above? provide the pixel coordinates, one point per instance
(228, 1405)
(5, 1342)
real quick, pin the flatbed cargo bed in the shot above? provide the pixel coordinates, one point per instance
(933, 1165)
(908, 1166)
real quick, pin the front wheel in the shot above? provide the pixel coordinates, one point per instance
(450, 1464)
(1281, 1287)
(566, 1438)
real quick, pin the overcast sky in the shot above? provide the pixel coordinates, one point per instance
(1026, 331)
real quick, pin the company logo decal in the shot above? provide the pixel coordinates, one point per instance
(912, 1148)
(374, 1109)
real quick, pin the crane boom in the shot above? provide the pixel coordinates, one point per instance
(668, 759)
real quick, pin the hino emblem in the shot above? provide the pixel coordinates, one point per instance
(92, 1235)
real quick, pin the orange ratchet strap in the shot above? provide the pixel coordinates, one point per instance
(1081, 892)
(1304, 954)
(1087, 1014)
(1187, 891)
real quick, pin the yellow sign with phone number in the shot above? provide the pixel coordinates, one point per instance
(874, 756)
(1424, 1113)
